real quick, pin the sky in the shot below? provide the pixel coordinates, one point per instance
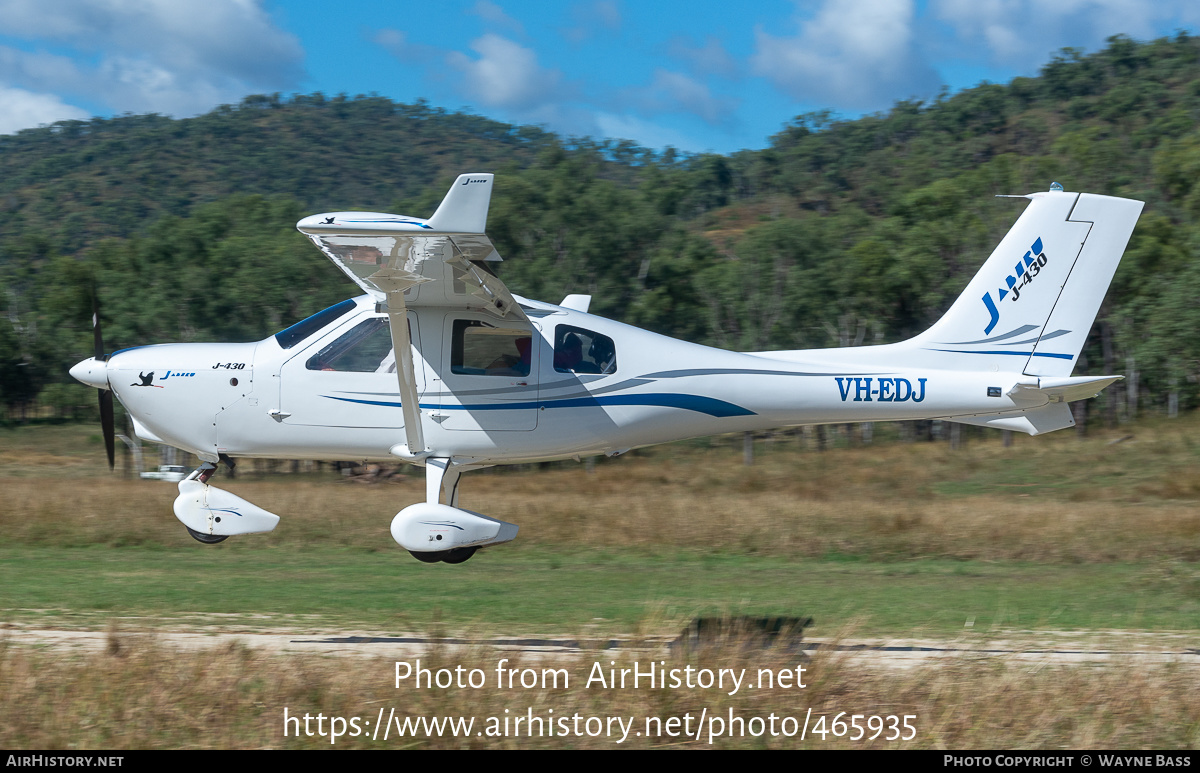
(697, 75)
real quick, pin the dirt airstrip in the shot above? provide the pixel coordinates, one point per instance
(1030, 647)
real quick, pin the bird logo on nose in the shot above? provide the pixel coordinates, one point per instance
(146, 379)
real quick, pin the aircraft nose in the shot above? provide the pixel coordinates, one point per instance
(92, 372)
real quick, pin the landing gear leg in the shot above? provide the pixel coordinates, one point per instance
(202, 473)
(441, 478)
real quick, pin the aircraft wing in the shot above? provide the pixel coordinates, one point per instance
(441, 261)
(407, 261)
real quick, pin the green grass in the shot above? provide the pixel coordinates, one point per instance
(534, 590)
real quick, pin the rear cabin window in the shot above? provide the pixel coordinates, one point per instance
(577, 350)
(480, 349)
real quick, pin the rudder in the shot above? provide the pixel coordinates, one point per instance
(1111, 223)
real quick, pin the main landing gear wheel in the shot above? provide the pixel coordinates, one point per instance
(458, 555)
(454, 556)
(207, 539)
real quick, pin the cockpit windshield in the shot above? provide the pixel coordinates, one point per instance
(304, 328)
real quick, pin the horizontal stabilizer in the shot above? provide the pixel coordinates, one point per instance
(1069, 389)
(1037, 421)
(1054, 414)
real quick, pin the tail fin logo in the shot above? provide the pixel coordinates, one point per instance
(1023, 274)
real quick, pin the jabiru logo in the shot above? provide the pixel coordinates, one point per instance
(1026, 269)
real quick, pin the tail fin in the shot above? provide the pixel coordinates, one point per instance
(465, 208)
(1031, 306)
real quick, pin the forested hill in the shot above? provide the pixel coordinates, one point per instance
(840, 232)
(80, 180)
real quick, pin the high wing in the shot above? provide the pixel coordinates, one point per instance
(407, 261)
(441, 261)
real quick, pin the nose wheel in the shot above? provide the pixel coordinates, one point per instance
(207, 539)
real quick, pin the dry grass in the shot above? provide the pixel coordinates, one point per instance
(142, 695)
(769, 512)
(879, 503)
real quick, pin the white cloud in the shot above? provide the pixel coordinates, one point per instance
(38, 70)
(607, 12)
(506, 75)
(179, 57)
(1025, 32)
(495, 16)
(591, 17)
(672, 92)
(501, 76)
(853, 54)
(396, 43)
(646, 133)
(507, 79)
(709, 59)
(20, 109)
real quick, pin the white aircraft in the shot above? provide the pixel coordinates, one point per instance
(439, 365)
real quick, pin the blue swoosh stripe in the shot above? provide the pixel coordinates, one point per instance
(697, 403)
(397, 222)
(128, 349)
(1020, 354)
(223, 510)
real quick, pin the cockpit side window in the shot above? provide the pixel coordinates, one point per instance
(480, 349)
(577, 350)
(305, 328)
(365, 348)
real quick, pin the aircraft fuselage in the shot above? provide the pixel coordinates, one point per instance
(263, 400)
